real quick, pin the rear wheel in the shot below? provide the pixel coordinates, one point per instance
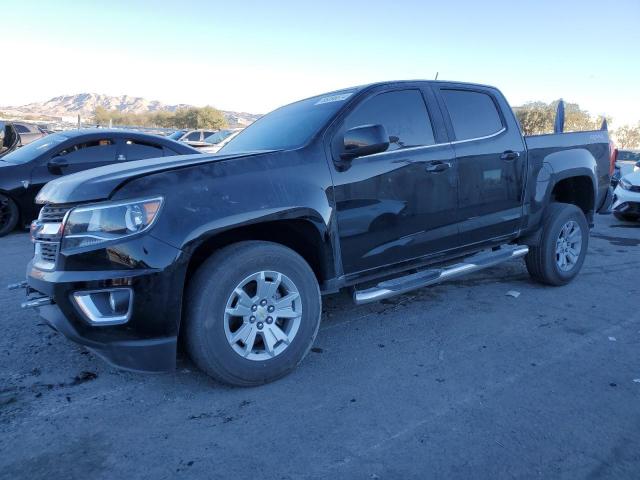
(252, 313)
(559, 256)
(626, 217)
(9, 215)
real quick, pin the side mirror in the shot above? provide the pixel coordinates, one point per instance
(56, 164)
(364, 140)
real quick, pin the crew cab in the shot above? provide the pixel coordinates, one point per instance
(378, 189)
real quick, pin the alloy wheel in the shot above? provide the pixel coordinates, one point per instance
(262, 315)
(568, 246)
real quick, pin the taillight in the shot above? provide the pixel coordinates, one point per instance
(613, 156)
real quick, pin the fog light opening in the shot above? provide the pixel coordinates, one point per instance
(119, 301)
(105, 307)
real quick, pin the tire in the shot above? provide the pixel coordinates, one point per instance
(626, 217)
(9, 215)
(543, 259)
(212, 296)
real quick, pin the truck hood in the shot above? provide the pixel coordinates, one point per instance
(99, 183)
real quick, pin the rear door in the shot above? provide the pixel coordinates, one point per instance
(491, 160)
(399, 204)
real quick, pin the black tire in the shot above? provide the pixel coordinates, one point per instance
(626, 217)
(205, 304)
(541, 259)
(9, 215)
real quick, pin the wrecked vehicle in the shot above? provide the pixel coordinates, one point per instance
(24, 171)
(380, 189)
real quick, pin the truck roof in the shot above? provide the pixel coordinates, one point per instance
(396, 82)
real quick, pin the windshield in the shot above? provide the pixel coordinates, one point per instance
(218, 136)
(176, 135)
(290, 126)
(32, 150)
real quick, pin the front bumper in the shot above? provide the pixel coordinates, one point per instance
(625, 201)
(148, 340)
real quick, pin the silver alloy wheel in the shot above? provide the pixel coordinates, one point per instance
(262, 315)
(568, 245)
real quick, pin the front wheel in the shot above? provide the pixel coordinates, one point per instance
(559, 256)
(252, 313)
(9, 215)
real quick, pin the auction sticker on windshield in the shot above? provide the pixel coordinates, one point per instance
(333, 98)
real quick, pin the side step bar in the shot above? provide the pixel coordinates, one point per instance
(424, 278)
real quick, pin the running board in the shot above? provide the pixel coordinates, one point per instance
(424, 278)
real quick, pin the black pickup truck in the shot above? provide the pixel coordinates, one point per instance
(379, 189)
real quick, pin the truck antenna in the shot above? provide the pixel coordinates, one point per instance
(437, 75)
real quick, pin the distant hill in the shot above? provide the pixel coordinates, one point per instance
(84, 104)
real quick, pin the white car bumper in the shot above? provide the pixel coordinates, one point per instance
(625, 200)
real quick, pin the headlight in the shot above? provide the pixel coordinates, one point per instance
(624, 184)
(101, 222)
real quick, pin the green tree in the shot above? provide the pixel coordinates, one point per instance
(206, 117)
(538, 118)
(628, 136)
(211, 118)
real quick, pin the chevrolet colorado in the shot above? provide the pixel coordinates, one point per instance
(381, 189)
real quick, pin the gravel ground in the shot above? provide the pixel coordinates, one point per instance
(458, 380)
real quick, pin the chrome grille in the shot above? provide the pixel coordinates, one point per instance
(46, 233)
(48, 251)
(54, 213)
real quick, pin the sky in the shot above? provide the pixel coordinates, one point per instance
(255, 56)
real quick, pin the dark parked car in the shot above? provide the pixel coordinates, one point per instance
(24, 171)
(28, 132)
(9, 139)
(381, 189)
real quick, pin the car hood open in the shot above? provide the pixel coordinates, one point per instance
(99, 183)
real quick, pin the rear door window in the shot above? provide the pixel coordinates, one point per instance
(137, 150)
(473, 114)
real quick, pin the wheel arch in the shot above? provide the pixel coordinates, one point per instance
(301, 230)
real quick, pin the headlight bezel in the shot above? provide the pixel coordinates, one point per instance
(103, 236)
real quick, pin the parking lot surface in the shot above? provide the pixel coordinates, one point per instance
(459, 380)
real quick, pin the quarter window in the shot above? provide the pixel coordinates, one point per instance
(403, 113)
(473, 114)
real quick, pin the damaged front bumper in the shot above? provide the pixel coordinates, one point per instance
(128, 316)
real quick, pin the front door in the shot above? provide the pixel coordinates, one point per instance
(71, 158)
(399, 204)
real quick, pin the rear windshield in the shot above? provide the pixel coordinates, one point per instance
(34, 149)
(290, 126)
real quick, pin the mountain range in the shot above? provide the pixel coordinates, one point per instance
(84, 104)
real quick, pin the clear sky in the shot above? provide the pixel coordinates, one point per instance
(256, 55)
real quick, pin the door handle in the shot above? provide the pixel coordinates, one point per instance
(437, 166)
(509, 155)
(121, 158)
